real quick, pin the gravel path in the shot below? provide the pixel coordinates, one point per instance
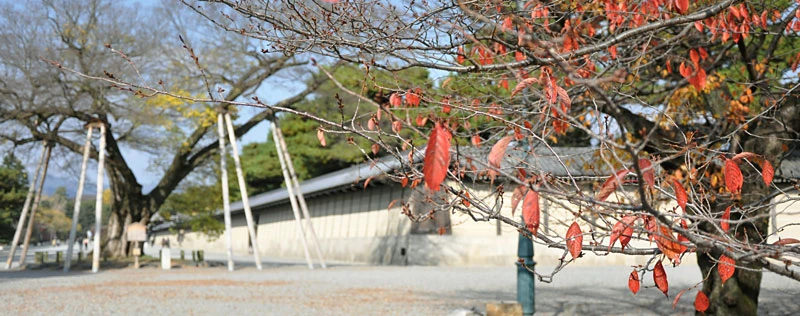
(290, 289)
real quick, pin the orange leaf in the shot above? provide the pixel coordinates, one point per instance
(648, 172)
(725, 221)
(726, 267)
(611, 184)
(574, 240)
(516, 197)
(733, 176)
(437, 157)
(507, 24)
(667, 243)
(404, 182)
(677, 298)
(530, 211)
(497, 153)
(660, 278)
(701, 302)
(504, 84)
(519, 56)
(633, 282)
(767, 171)
(523, 84)
(321, 137)
(680, 194)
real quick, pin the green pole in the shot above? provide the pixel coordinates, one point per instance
(525, 278)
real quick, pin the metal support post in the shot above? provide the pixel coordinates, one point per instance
(525, 278)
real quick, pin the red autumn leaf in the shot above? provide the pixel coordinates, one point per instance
(660, 278)
(648, 172)
(476, 141)
(677, 298)
(504, 84)
(726, 267)
(517, 196)
(507, 24)
(404, 182)
(395, 100)
(633, 282)
(446, 108)
(437, 157)
(701, 302)
(733, 176)
(743, 155)
(460, 58)
(613, 51)
(680, 194)
(465, 201)
(497, 153)
(695, 57)
(523, 84)
(623, 230)
(682, 6)
(527, 124)
(611, 184)
(371, 124)
(442, 230)
(519, 56)
(530, 211)
(574, 240)
(786, 241)
(650, 226)
(668, 244)
(682, 239)
(412, 97)
(725, 221)
(397, 126)
(375, 149)
(698, 25)
(699, 79)
(767, 171)
(421, 120)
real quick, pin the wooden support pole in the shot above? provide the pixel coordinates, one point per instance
(98, 210)
(78, 197)
(226, 203)
(300, 197)
(37, 198)
(292, 198)
(25, 208)
(243, 189)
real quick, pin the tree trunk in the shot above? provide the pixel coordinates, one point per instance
(739, 294)
(129, 205)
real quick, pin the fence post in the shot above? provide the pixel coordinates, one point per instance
(525, 278)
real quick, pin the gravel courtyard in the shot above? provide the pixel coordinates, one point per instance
(349, 290)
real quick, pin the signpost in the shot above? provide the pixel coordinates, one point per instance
(137, 232)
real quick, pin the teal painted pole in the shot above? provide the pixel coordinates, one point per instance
(525, 278)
